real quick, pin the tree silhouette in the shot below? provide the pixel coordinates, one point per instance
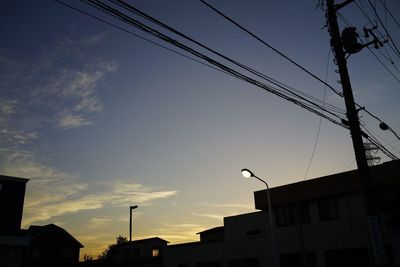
(105, 255)
(87, 257)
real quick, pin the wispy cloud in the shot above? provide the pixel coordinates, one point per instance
(58, 90)
(72, 121)
(84, 40)
(99, 222)
(81, 198)
(218, 217)
(231, 205)
(52, 193)
(23, 164)
(179, 233)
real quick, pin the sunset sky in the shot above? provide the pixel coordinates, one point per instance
(99, 119)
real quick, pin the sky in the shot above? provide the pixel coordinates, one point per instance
(99, 119)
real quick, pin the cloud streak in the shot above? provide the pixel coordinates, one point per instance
(179, 233)
(58, 90)
(52, 193)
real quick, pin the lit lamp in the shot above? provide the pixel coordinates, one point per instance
(248, 174)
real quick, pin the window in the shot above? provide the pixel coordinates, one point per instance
(214, 264)
(38, 253)
(201, 264)
(308, 259)
(328, 209)
(288, 214)
(234, 263)
(155, 252)
(136, 252)
(253, 262)
(347, 257)
(253, 232)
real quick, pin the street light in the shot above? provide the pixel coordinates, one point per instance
(130, 221)
(248, 174)
(130, 232)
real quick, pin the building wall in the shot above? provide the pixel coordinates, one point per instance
(245, 225)
(11, 256)
(244, 242)
(329, 238)
(52, 248)
(147, 252)
(346, 231)
(12, 193)
(320, 221)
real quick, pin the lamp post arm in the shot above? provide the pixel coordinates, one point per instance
(262, 181)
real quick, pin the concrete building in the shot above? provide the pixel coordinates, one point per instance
(318, 222)
(143, 252)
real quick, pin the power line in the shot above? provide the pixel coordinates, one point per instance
(333, 108)
(255, 72)
(383, 64)
(379, 145)
(381, 139)
(390, 13)
(363, 108)
(383, 26)
(158, 34)
(163, 25)
(370, 50)
(319, 123)
(378, 119)
(390, 45)
(238, 75)
(111, 11)
(365, 13)
(271, 47)
(280, 53)
(138, 36)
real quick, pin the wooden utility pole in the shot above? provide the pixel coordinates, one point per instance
(355, 132)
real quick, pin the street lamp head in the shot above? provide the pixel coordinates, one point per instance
(133, 207)
(247, 173)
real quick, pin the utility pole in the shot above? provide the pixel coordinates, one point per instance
(356, 135)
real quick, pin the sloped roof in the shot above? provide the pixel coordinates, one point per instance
(150, 239)
(35, 231)
(13, 179)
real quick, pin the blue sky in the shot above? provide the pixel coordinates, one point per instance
(100, 120)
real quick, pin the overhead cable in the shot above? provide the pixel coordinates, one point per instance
(383, 26)
(390, 13)
(138, 36)
(169, 28)
(108, 9)
(271, 47)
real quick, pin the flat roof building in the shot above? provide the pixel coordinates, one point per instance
(318, 222)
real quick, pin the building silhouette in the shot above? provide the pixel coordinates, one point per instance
(51, 245)
(13, 241)
(144, 252)
(319, 222)
(38, 246)
(12, 194)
